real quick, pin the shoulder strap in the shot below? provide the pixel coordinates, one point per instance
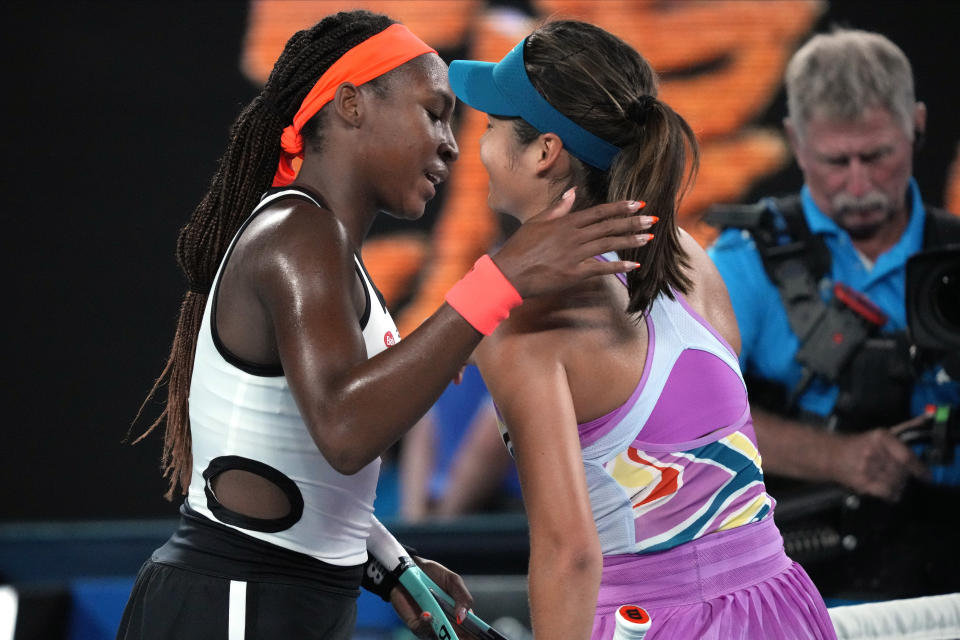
(795, 259)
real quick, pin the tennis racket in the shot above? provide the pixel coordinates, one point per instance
(429, 596)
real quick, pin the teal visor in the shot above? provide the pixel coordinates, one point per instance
(503, 89)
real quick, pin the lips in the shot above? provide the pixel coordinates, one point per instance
(436, 177)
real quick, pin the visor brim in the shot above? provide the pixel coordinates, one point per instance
(472, 82)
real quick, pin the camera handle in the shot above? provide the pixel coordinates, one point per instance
(941, 431)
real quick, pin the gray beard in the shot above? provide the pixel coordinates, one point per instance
(844, 204)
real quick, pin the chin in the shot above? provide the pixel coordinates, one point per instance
(405, 215)
(408, 212)
(862, 227)
(863, 231)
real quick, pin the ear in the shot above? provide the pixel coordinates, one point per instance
(793, 138)
(920, 119)
(550, 156)
(348, 104)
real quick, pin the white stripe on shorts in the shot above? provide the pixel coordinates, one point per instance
(238, 610)
(8, 612)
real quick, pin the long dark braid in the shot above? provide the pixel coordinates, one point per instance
(244, 172)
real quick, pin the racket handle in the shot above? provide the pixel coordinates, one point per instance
(632, 623)
(414, 580)
(472, 623)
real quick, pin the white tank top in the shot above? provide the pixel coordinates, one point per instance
(253, 418)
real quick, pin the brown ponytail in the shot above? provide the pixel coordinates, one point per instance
(651, 168)
(604, 85)
(244, 173)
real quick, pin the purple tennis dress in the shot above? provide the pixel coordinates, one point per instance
(677, 493)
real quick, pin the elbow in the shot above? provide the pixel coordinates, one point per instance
(585, 562)
(344, 454)
(582, 567)
(347, 460)
(345, 464)
(578, 557)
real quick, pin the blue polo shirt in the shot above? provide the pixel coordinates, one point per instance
(770, 346)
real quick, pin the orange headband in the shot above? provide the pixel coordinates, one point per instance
(370, 59)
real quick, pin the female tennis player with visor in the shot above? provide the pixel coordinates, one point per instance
(621, 398)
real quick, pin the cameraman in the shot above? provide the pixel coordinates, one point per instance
(853, 124)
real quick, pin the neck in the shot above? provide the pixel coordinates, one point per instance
(542, 201)
(345, 192)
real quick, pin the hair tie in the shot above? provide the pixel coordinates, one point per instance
(196, 287)
(639, 109)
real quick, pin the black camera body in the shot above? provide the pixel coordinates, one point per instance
(933, 306)
(933, 326)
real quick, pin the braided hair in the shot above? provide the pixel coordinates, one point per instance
(244, 172)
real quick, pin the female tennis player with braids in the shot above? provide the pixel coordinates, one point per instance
(282, 393)
(622, 398)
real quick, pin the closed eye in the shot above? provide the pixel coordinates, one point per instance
(874, 156)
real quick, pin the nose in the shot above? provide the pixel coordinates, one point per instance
(858, 181)
(449, 150)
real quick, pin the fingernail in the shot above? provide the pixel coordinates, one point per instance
(653, 219)
(426, 615)
(461, 615)
(635, 205)
(633, 265)
(645, 237)
(569, 193)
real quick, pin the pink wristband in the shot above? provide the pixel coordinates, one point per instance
(484, 297)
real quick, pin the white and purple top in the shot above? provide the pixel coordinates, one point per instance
(678, 460)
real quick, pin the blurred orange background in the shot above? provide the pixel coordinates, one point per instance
(721, 64)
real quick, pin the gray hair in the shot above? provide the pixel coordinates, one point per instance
(841, 74)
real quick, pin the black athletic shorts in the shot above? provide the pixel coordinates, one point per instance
(171, 603)
(210, 582)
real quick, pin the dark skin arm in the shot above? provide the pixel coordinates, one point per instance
(295, 264)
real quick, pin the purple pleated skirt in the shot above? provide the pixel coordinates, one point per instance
(731, 585)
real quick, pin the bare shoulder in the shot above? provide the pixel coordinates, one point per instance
(531, 338)
(293, 226)
(525, 334)
(292, 241)
(709, 296)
